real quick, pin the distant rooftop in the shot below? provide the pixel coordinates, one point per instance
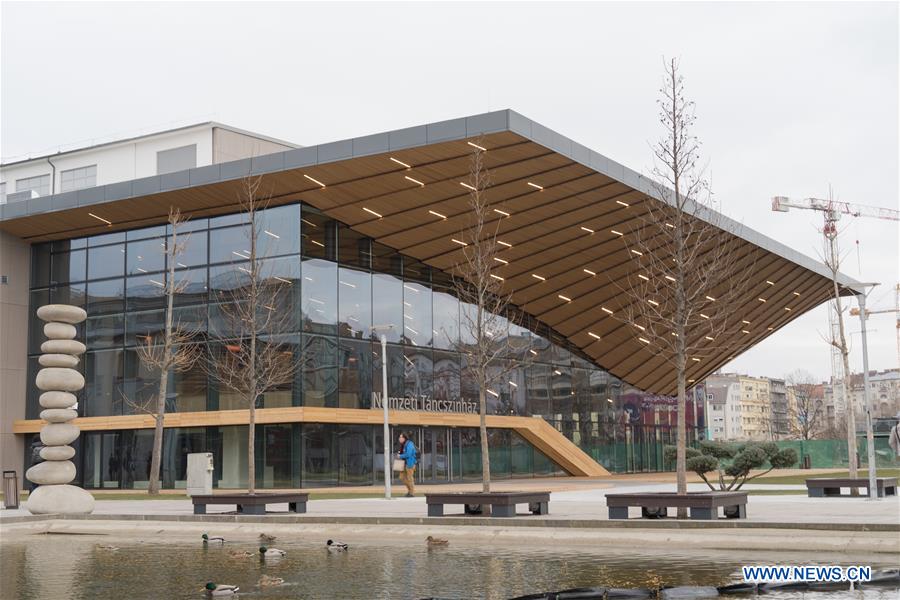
(22, 159)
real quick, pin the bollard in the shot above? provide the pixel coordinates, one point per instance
(10, 489)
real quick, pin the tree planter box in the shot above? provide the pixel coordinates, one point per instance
(496, 504)
(254, 504)
(702, 505)
(820, 487)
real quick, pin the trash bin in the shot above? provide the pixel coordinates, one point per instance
(10, 489)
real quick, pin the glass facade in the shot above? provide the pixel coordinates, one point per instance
(345, 292)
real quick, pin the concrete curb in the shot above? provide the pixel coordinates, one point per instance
(464, 521)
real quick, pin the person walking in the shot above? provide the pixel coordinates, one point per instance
(407, 475)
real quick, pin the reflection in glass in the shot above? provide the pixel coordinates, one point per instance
(387, 306)
(68, 266)
(355, 294)
(104, 331)
(417, 326)
(106, 261)
(319, 371)
(446, 320)
(144, 292)
(418, 373)
(146, 256)
(355, 377)
(105, 296)
(103, 373)
(319, 296)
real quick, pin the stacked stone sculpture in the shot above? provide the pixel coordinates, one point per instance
(58, 380)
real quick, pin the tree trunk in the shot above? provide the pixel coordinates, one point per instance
(156, 458)
(251, 450)
(482, 427)
(845, 356)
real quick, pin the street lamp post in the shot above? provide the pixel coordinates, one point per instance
(384, 406)
(867, 399)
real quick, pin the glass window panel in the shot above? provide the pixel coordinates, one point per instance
(140, 325)
(36, 299)
(103, 383)
(414, 270)
(74, 294)
(445, 327)
(40, 265)
(319, 233)
(190, 287)
(229, 448)
(229, 245)
(396, 370)
(140, 385)
(289, 350)
(104, 331)
(146, 256)
(387, 306)
(178, 443)
(320, 377)
(225, 281)
(145, 232)
(319, 296)
(68, 266)
(279, 456)
(355, 375)
(320, 456)
(66, 245)
(446, 376)
(106, 238)
(193, 247)
(144, 291)
(106, 261)
(386, 260)
(418, 372)
(355, 248)
(190, 225)
(138, 452)
(355, 305)
(237, 218)
(105, 296)
(278, 230)
(417, 325)
(355, 454)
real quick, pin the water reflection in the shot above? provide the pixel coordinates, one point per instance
(85, 567)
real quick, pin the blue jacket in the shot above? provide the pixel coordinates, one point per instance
(409, 453)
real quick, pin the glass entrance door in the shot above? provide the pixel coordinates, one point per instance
(435, 464)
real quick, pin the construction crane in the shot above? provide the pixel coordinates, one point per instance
(832, 211)
(895, 310)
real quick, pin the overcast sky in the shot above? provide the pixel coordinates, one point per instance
(790, 97)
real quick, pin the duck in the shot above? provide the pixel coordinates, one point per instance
(433, 541)
(108, 548)
(270, 581)
(216, 539)
(271, 552)
(336, 546)
(240, 554)
(266, 539)
(220, 589)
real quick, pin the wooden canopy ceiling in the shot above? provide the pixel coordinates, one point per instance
(559, 226)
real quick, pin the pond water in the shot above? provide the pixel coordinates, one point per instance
(58, 567)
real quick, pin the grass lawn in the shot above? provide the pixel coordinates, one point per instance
(801, 479)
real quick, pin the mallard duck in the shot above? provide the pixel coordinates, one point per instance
(108, 548)
(217, 539)
(240, 554)
(270, 581)
(433, 541)
(336, 546)
(271, 552)
(265, 538)
(218, 589)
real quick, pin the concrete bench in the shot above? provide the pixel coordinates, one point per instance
(702, 505)
(251, 505)
(499, 504)
(821, 487)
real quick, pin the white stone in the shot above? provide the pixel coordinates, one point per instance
(59, 434)
(57, 399)
(63, 347)
(63, 380)
(60, 331)
(62, 313)
(58, 415)
(60, 499)
(66, 361)
(57, 452)
(51, 472)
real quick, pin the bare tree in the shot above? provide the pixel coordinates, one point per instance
(684, 291)
(807, 414)
(168, 351)
(838, 339)
(486, 343)
(257, 354)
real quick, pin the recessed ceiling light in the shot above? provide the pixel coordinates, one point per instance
(108, 223)
(536, 186)
(416, 181)
(589, 272)
(317, 243)
(460, 242)
(557, 372)
(745, 322)
(371, 212)
(504, 244)
(744, 331)
(500, 260)
(797, 294)
(616, 232)
(606, 310)
(493, 393)
(467, 186)
(646, 341)
(274, 235)
(770, 282)
(497, 277)
(709, 338)
(670, 225)
(641, 327)
(625, 204)
(513, 383)
(282, 279)
(316, 181)
(704, 316)
(310, 223)
(670, 278)
(437, 214)
(653, 302)
(644, 277)
(401, 163)
(787, 308)
(566, 298)
(593, 335)
(536, 276)
(636, 252)
(762, 299)
(710, 298)
(771, 328)
(695, 359)
(474, 145)
(589, 230)
(502, 212)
